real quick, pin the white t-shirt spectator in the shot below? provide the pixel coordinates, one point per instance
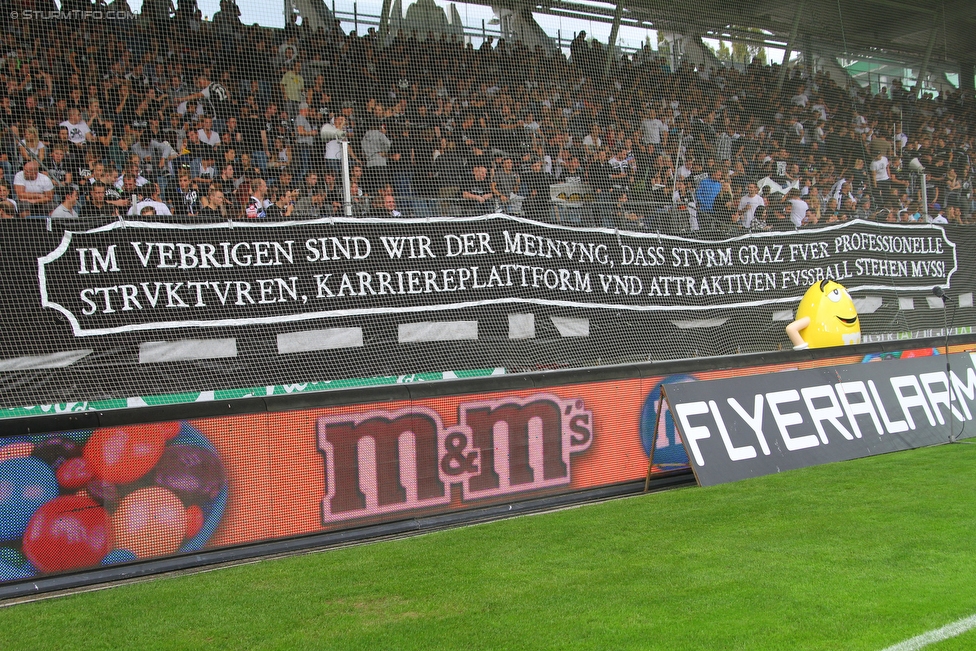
(333, 150)
(76, 132)
(213, 139)
(800, 100)
(40, 185)
(140, 181)
(64, 213)
(749, 204)
(652, 130)
(36, 149)
(160, 207)
(880, 169)
(798, 211)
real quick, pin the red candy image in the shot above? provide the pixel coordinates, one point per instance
(194, 521)
(120, 455)
(67, 533)
(73, 473)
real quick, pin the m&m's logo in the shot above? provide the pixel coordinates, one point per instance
(383, 462)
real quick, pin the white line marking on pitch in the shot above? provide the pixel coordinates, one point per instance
(938, 635)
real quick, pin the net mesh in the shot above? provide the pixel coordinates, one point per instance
(179, 126)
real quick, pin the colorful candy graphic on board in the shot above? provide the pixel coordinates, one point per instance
(80, 499)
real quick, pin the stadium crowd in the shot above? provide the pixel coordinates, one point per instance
(210, 120)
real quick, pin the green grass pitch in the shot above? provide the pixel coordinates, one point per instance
(856, 555)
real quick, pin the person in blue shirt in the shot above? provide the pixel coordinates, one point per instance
(708, 189)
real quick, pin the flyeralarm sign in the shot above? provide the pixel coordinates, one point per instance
(761, 424)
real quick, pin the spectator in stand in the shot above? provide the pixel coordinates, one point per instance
(207, 134)
(311, 185)
(208, 171)
(228, 181)
(31, 147)
(360, 200)
(284, 207)
(505, 187)
(286, 180)
(592, 142)
(151, 199)
(258, 203)
(864, 209)
(476, 193)
(282, 158)
(293, 88)
(7, 210)
(376, 147)
(131, 174)
(537, 204)
(304, 139)
(815, 203)
(34, 191)
(599, 176)
(745, 214)
(654, 131)
(58, 169)
(833, 214)
(386, 207)
(621, 170)
(184, 197)
(214, 206)
(705, 195)
(5, 194)
(78, 132)
(232, 136)
(314, 203)
(96, 206)
(66, 209)
(794, 213)
(882, 181)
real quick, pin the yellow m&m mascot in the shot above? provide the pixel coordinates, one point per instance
(825, 317)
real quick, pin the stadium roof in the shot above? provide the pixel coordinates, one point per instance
(905, 29)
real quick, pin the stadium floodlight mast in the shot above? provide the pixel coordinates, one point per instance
(330, 132)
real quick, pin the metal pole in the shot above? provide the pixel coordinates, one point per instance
(925, 198)
(789, 44)
(614, 29)
(925, 62)
(346, 181)
(678, 156)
